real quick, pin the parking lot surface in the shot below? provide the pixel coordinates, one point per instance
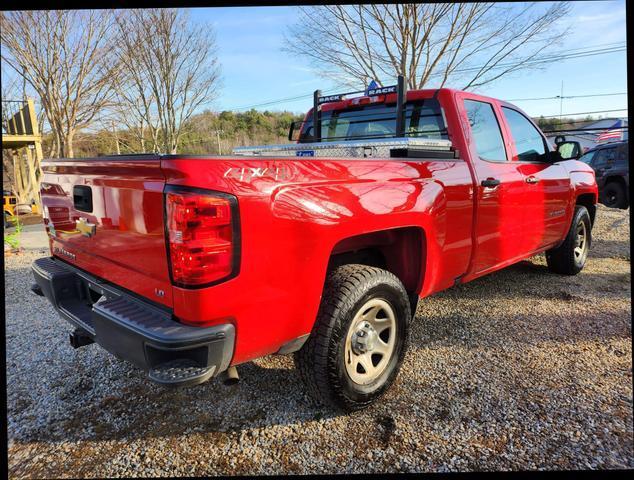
(521, 369)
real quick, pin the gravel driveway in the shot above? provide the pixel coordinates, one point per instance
(521, 369)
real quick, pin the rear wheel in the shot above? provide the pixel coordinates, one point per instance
(614, 195)
(359, 338)
(570, 257)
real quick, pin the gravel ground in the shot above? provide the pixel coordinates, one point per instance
(521, 369)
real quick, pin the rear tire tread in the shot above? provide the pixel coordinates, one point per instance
(313, 359)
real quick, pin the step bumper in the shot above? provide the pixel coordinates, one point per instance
(144, 334)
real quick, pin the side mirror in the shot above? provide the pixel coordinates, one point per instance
(569, 150)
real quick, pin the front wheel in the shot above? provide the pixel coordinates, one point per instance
(570, 257)
(359, 338)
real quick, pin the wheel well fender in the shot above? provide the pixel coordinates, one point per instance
(616, 179)
(588, 200)
(401, 251)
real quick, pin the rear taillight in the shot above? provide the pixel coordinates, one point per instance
(201, 237)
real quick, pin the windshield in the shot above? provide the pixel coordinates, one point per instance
(423, 119)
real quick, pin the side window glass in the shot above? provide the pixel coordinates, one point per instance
(529, 143)
(601, 159)
(486, 131)
(587, 158)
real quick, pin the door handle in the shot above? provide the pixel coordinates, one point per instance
(532, 179)
(490, 182)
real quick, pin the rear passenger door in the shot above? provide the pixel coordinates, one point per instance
(499, 188)
(547, 206)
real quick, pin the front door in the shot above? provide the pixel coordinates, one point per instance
(547, 208)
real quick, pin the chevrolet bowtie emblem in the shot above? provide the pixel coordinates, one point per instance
(86, 229)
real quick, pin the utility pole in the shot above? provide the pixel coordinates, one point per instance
(561, 101)
(116, 138)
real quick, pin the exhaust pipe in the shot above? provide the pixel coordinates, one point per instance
(37, 290)
(230, 376)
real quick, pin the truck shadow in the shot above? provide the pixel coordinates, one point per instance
(529, 280)
(137, 409)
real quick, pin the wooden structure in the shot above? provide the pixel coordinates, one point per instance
(21, 136)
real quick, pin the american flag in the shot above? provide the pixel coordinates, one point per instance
(615, 132)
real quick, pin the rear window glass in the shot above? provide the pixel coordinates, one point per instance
(486, 131)
(423, 119)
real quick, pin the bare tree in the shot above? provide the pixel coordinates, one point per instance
(65, 56)
(465, 44)
(171, 68)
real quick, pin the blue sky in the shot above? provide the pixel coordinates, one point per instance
(255, 70)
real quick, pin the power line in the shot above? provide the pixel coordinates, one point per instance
(298, 97)
(566, 97)
(596, 45)
(617, 47)
(547, 59)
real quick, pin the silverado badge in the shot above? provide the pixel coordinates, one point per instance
(86, 229)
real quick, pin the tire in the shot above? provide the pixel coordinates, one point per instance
(566, 259)
(614, 195)
(351, 291)
(6, 220)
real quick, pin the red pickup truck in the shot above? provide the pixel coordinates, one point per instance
(189, 265)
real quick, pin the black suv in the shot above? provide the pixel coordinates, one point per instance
(611, 167)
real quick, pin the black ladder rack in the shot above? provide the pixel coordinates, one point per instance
(400, 89)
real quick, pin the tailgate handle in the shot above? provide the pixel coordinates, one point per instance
(82, 198)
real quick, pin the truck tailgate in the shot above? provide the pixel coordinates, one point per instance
(105, 215)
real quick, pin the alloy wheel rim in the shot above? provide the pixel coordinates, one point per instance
(370, 341)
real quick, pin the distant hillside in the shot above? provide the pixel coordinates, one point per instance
(237, 129)
(199, 137)
(565, 123)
